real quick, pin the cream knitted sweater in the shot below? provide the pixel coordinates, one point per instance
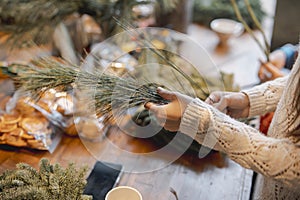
(275, 157)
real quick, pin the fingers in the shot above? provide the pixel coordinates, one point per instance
(222, 105)
(261, 73)
(210, 100)
(168, 95)
(151, 106)
(169, 124)
(218, 100)
(158, 110)
(214, 97)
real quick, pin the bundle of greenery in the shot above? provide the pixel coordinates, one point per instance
(50, 182)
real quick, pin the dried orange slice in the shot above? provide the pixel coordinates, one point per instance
(36, 144)
(33, 125)
(17, 132)
(27, 136)
(16, 141)
(4, 128)
(11, 118)
(3, 137)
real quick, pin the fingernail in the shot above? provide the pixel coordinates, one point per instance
(160, 90)
(147, 105)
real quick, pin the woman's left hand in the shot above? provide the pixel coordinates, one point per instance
(169, 115)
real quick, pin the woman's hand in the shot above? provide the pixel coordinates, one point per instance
(169, 115)
(235, 104)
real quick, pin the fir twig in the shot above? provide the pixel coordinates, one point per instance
(142, 37)
(109, 91)
(50, 182)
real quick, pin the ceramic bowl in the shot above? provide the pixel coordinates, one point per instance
(226, 29)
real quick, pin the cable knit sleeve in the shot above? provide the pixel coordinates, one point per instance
(275, 158)
(264, 98)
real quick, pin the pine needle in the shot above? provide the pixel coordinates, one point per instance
(104, 91)
(145, 42)
(49, 182)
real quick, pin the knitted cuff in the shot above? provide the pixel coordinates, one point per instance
(257, 102)
(195, 118)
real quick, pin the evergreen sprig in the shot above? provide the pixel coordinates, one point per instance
(50, 182)
(98, 90)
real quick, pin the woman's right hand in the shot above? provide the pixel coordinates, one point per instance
(235, 104)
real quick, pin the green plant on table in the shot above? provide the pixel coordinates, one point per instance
(49, 182)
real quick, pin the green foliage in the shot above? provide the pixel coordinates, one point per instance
(35, 20)
(51, 182)
(207, 10)
(121, 9)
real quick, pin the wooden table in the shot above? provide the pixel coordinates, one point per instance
(213, 177)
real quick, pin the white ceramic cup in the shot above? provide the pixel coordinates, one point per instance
(123, 193)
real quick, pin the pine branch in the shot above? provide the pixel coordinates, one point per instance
(48, 73)
(145, 42)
